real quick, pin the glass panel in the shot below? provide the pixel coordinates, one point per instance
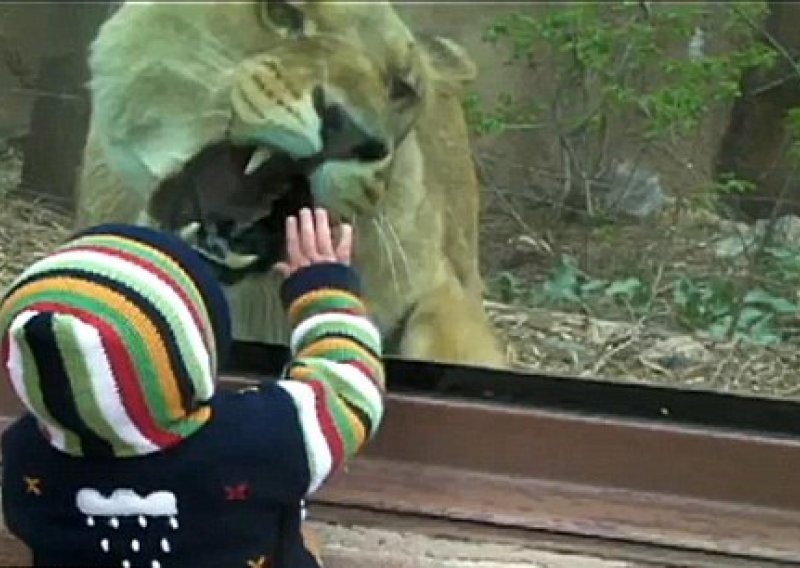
(600, 190)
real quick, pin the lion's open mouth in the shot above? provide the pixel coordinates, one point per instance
(231, 202)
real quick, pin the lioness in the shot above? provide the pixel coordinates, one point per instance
(216, 120)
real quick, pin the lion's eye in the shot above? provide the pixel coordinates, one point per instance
(402, 89)
(285, 16)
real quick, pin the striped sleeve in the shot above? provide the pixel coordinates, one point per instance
(335, 377)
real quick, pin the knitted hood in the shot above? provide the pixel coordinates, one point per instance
(113, 341)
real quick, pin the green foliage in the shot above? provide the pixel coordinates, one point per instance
(711, 305)
(568, 285)
(626, 55)
(781, 264)
(506, 114)
(704, 303)
(662, 62)
(729, 184)
(726, 184)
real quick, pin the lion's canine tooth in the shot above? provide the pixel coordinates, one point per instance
(232, 260)
(260, 155)
(189, 232)
(238, 261)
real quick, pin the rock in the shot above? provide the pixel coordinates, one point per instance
(785, 233)
(741, 237)
(633, 191)
(733, 246)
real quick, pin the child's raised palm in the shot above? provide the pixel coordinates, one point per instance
(309, 244)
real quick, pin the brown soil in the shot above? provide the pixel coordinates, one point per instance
(522, 240)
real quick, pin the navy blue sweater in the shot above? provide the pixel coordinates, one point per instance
(230, 495)
(237, 492)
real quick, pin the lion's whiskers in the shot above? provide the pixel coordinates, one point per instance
(221, 55)
(401, 251)
(388, 250)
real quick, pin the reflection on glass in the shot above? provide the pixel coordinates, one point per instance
(611, 195)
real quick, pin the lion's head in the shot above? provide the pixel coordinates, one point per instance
(223, 118)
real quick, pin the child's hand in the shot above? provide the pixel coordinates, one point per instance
(313, 245)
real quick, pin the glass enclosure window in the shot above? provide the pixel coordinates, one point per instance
(636, 162)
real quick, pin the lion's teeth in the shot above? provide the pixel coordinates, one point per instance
(232, 260)
(189, 232)
(260, 155)
(237, 261)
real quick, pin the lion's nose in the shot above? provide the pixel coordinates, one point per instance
(343, 137)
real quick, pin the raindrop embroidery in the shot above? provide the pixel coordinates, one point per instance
(125, 509)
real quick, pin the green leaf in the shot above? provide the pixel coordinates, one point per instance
(628, 287)
(777, 304)
(719, 329)
(563, 284)
(749, 316)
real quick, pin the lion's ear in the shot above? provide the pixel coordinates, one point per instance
(448, 62)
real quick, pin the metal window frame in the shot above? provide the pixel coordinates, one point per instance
(681, 478)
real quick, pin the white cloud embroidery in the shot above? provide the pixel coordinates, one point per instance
(126, 502)
(157, 510)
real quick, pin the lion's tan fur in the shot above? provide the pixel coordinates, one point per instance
(156, 105)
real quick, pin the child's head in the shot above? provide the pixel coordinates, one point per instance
(113, 341)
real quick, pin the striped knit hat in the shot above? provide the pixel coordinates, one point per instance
(113, 341)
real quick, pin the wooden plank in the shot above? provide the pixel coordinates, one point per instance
(725, 531)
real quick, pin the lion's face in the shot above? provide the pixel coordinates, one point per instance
(227, 117)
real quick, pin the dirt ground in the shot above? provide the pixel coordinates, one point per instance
(604, 344)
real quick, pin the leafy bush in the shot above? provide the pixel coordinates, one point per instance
(660, 63)
(612, 57)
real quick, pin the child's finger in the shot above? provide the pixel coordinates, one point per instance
(324, 244)
(293, 241)
(308, 239)
(345, 246)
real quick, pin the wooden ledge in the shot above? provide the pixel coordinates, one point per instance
(575, 463)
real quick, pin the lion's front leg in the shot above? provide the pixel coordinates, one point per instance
(449, 325)
(256, 310)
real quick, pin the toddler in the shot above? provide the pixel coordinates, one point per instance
(127, 456)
